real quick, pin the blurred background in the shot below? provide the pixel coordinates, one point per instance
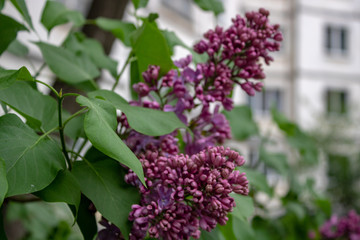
(314, 80)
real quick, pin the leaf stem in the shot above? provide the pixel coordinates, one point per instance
(70, 94)
(81, 111)
(61, 131)
(82, 146)
(39, 70)
(121, 71)
(78, 155)
(50, 87)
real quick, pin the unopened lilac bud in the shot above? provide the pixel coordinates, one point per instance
(258, 86)
(142, 89)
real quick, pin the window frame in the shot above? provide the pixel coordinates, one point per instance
(336, 40)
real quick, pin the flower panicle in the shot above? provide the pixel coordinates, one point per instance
(186, 193)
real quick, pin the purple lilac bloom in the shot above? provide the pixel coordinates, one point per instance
(347, 227)
(185, 193)
(234, 57)
(244, 43)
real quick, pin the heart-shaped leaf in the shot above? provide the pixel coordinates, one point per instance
(32, 161)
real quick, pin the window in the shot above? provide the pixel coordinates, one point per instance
(183, 7)
(336, 102)
(263, 101)
(336, 40)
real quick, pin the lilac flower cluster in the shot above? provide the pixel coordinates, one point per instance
(185, 193)
(235, 53)
(234, 57)
(347, 227)
(209, 127)
(190, 192)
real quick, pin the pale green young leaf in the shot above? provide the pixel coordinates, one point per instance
(214, 6)
(71, 68)
(99, 124)
(297, 138)
(8, 31)
(257, 180)
(173, 40)
(18, 49)
(32, 161)
(241, 122)
(120, 29)
(80, 44)
(55, 13)
(244, 206)
(276, 161)
(103, 184)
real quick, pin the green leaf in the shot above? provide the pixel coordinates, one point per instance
(21, 7)
(18, 49)
(244, 206)
(297, 209)
(101, 182)
(92, 48)
(32, 161)
(120, 29)
(173, 40)
(277, 161)
(63, 189)
(140, 3)
(144, 120)
(85, 219)
(8, 31)
(227, 230)
(297, 138)
(214, 6)
(2, 2)
(215, 234)
(38, 109)
(74, 128)
(55, 13)
(99, 124)
(3, 181)
(243, 230)
(71, 68)
(8, 77)
(241, 122)
(150, 47)
(257, 180)
(324, 205)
